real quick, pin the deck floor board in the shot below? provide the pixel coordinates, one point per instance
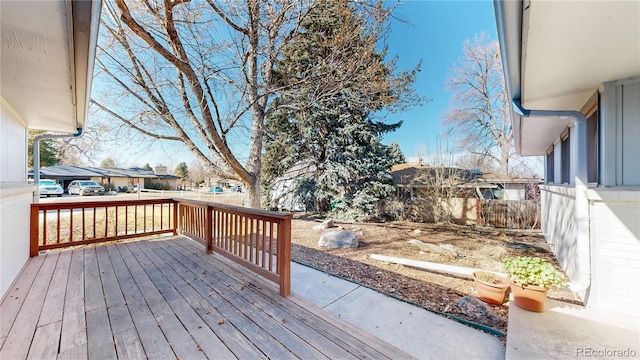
(14, 299)
(166, 299)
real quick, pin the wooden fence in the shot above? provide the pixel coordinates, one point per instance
(512, 214)
(258, 240)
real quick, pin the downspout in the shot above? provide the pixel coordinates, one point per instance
(36, 157)
(581, 206)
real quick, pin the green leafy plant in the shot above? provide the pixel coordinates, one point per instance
(534, 271)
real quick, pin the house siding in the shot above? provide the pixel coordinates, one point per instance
(559, 225)
(614, 206)
(615, 235)
(15, 199)
(13, 145)
(14, 237)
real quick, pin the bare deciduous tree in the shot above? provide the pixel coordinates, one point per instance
(198, 73)
(479, 113)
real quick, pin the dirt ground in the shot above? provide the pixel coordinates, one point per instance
(481, 248)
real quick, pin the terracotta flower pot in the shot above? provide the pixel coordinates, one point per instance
(492, 293)
(529, 297)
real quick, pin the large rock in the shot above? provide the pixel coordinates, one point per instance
(325, 225)
(478, 311)
(338, 239)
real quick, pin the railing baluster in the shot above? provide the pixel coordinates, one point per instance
(70, 225)
(245, 238)
(84, 225)
(252, 240)
(236, 240)
(44, 228)
(270, 245)
(225, 225)
(126, 219)
(264, 245)
(106, 222)
(58, 227)
(94, 222)
(218, 218)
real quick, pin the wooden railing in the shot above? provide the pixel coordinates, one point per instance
(58, 225)
(258, 240)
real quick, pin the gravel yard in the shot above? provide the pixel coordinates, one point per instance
(481, 248)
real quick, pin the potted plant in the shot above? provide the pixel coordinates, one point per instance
(530, 279)
(491, 287)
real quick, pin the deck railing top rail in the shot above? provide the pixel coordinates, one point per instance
(98, 204)
(238, 209)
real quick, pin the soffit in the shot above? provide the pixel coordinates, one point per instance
(36, 68)
(571, 47)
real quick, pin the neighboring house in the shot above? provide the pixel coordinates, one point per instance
(287, 191)
(447, 193)
(573, 75)
(411, 177)
(47, 54)
(118, 178)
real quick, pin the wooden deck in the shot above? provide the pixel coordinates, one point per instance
(166, 299)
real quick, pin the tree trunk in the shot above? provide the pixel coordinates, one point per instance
(505, 150)
(252, 196)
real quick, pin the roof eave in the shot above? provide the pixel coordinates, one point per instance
(509, 26)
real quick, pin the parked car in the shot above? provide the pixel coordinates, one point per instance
(236, 188)
(50, 188)
(216, 189)
(84, 187)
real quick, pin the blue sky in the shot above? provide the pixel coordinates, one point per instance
(434, 32)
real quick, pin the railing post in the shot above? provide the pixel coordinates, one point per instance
(175, 217)
(209, 228)
(284, 255)
(35, 220)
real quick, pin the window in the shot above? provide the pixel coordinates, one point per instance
(565, 155)
(549, 173)
(593, 158)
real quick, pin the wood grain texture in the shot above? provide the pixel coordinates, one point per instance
(167, 299)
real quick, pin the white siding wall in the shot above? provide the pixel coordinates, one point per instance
(15, 199)
(615, 237)
(614, 210)
(559, 225)
(13, 148)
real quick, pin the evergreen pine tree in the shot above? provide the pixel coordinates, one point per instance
(323, 136)
(49, 150)
(396, 154)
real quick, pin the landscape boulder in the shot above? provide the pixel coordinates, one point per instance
(480, 312)
(324, 225)
(338, 239)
